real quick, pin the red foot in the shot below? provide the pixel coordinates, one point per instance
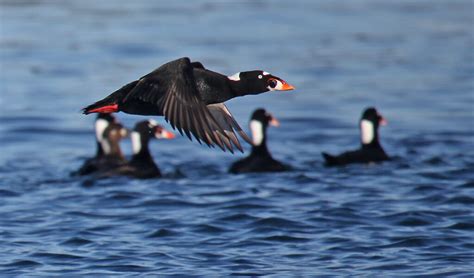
(105, 109)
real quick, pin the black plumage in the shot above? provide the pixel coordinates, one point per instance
(260, 159)
(141, 164)
(93, 164)
(109, 132)
(371, 150)
(191, 98)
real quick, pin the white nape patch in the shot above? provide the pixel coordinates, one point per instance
(235, 77)
(152, 123)
(266, 73)
(366, 131)
(136, 142)
(279, 86)
(256, 128)
(100, 126)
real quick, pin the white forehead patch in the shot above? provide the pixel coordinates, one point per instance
(100, 126)
(136, 142)
(366, 131)
(260, 76)
(235, 77)
(266, 73)
(256, 128)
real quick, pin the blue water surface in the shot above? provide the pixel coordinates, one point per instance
(412, 216)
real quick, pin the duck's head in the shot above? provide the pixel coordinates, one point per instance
(101, 123)
(144, 131)
(112, 135)
(259, 121)
(151, 129)
(260, 81)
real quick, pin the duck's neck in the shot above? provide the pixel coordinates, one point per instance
(140, 147)
(100, 150)
(369, 136)
(242, 88)
(261, 150)
(259, 138)
(111, 148)
(100, 126)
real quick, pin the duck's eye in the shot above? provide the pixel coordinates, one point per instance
(272, 83)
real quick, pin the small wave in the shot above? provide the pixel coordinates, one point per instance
(102, 228)
(123, 196)
(239, 217)
(467, 226)
(436, 160)
(276, 222)
(411, 218)
(337, 240)
(245, 207)
(23, 263)
(435, 175)
(162, 233)
(462, 200)
(248, 274)
(289, 193)
(77, 241)
(8, 193)
(433, 199)
(91, 215)
(467, 185)
(387, 267)
(209, 229)
(56, 256)
(426, 188)
(122, 268)
(284, 238)
(409, 242)
(413, 222)
(222, 193)
(167, 202)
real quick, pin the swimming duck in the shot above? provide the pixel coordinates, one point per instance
(141, 164)
(260, 159)
(370, 150)
(91, 165)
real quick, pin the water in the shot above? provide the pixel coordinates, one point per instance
(412, 216)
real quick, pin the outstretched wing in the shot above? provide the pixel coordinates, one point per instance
(172, 88)
(227, 122)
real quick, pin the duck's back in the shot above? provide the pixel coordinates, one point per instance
(258, 164)
(363, 155)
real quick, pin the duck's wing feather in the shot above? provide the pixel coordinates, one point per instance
(225, 120)
(172, 88)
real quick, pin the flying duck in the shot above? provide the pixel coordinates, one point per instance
(191, 98)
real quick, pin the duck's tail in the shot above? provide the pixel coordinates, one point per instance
(110, 104)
